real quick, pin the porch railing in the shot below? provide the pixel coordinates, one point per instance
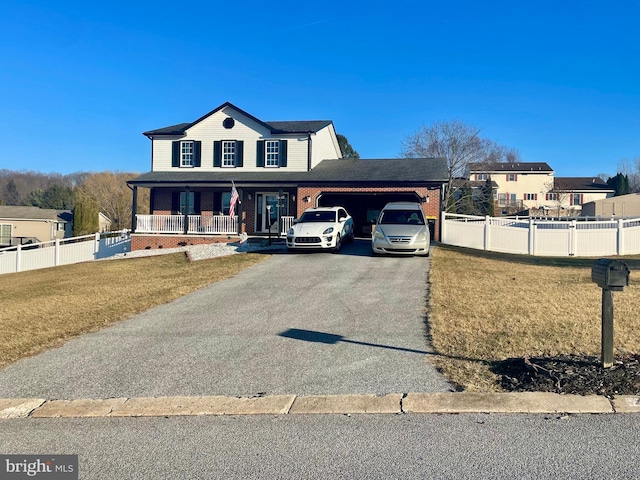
(202, 224)
(287, 221)
(212, 224)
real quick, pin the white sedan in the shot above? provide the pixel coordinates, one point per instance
(321, 228)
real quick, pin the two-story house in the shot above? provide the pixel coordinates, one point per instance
(278, 168)
(533, 186)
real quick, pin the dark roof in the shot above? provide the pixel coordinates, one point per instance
(341, 171)
(581, 183)
(34, 213)
(510, 167)
(172, 130)
(381, 170)
(300, 126)
(460, 182)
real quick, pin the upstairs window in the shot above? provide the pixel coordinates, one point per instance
(228, 154)
(576, 199)
(185, 153)
(272, 148)
(271, 153)
(512, 177)
(531, 196)
(552, 196)
(482, 176)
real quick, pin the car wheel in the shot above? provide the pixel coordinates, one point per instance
(352, 236)
(336, 249)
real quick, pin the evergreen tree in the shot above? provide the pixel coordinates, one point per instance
(10, 194)
(57, 197)
(85, 216)
(346, 148)
(620, 183)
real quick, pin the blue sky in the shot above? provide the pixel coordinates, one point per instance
(81, 81)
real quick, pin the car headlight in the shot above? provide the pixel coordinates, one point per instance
(327, 231)
(378, 234)
(290, 232)
(421, 237)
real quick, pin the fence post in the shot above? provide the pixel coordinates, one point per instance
(532, 237)
(487, 232)
(443, 228)
(56, 253)
(18, 254)
(96, 245)
(573, 238)
(621, 245)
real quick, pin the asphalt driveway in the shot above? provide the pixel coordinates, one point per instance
(312, 323)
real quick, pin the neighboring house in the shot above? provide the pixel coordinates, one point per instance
(104, 223)
(621, 206)
(533, 186)
(279, 170)
(20, 225)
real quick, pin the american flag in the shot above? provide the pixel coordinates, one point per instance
(234, 200)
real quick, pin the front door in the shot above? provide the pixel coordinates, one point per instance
(269, 205)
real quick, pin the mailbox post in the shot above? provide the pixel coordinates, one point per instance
(611, 276)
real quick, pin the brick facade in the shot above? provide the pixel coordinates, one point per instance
(431, 208)
(297, 205)
(148, 240)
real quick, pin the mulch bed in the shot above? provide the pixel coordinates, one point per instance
(579, 375)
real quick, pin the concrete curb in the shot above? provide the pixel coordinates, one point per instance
(411, 403)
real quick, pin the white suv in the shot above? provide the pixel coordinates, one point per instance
(401, 229)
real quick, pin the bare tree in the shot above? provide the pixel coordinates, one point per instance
(113, 196)
(459, 144)
(559, 193)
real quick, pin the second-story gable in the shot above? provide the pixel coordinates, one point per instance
(229, 138)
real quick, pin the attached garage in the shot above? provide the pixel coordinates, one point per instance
(365, 207)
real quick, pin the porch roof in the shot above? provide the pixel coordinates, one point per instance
(397, 171)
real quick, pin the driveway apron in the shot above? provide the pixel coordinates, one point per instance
(311, 323)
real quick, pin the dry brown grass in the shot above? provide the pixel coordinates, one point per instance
(487, 307)
(42, 308)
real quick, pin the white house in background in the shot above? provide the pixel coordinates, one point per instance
(104, 223)
(533, 186)
(20, 225)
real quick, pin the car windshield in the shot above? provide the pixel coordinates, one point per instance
(318, 216)
(402, 217)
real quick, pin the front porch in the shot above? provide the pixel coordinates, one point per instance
(201, 224)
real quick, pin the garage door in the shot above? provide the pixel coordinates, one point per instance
(364, 207)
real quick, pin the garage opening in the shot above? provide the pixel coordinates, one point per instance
(364, 207)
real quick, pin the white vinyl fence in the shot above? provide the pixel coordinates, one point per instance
(63, 252)
(580, 237)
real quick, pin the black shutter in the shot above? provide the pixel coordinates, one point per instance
(217, 153)
(175, 154)
(196, 203)
(196, 153)
(239, 153)
(175, 203)
(282, 153)
(217, 202)
(260, 153)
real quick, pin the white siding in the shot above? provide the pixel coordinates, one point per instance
(249, 131)
(325, 146)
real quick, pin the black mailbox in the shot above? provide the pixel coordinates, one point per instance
(610, 274)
